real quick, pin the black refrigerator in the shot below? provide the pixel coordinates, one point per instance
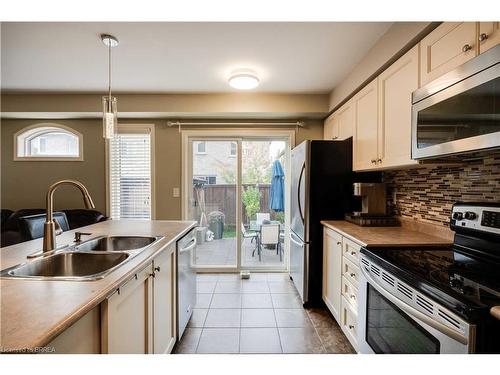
(321, 189)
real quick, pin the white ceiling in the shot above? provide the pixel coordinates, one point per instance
(182, 57)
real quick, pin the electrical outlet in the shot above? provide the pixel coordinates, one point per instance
(176, 192)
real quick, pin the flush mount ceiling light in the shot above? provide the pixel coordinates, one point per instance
(109, 104)
(244, 80)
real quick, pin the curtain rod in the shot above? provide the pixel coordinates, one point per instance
(300, 124)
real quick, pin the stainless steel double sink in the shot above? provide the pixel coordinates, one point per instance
(89, 260)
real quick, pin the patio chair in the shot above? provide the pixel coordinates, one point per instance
(261, 216)
(245, 234)
(269, 235)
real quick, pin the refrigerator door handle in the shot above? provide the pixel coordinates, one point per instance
(298, 191)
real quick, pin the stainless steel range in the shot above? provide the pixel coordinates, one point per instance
(435, 300)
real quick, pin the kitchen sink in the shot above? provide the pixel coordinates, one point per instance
(117, 243)
(72, 265)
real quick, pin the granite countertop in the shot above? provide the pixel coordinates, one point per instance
(34, 312)
(385, 236)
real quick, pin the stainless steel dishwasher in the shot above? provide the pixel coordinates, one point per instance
(186, 280)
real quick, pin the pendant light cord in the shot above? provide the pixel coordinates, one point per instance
(109, 74)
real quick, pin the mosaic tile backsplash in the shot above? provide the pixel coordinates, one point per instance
(427, 193)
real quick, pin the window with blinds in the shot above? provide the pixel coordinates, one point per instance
(130, 174)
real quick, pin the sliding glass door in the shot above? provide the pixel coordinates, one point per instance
(214, 201)
(236, 190)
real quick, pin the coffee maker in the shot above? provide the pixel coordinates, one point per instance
(373, 205)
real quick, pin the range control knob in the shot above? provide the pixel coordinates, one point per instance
(458, 216)
(469, 215)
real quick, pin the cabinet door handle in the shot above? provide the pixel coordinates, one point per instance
(152, 274)
(373, 161)
(353, 274)
(483, 37)
(157, 269)
(351, 326)
(334, 138)
(338, 242)
(379, 160)
(353, 296)
(466, 48)
(353, 253)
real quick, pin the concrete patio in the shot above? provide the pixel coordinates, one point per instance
(223, 253)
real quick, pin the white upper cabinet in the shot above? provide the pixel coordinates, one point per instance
(489, 35)
(345, 121)
(365, 105)
(330, 128)
(451, 44)
(395, 87)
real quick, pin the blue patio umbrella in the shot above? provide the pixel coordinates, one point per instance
(277, 200)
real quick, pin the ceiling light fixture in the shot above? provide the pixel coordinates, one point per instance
(244, 80)
(109, 107)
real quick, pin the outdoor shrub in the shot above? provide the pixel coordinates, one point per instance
(251, 201)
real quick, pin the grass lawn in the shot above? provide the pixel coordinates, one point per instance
(229, 234)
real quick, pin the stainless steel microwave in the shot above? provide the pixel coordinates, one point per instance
(460, 111)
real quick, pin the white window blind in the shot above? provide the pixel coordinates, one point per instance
(130, 175)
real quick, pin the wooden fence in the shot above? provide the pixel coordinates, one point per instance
(223, 198)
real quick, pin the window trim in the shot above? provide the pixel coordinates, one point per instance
(49, 158)
(133, 128)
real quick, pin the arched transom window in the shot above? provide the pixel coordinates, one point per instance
(48, 142)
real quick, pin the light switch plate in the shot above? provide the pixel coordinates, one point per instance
(176, 192)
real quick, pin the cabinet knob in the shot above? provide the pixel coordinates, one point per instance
(373, 161)
(483, 37)
(353, 253)
(334, 138)
(353, 274)
(338, 242)
(353, 296)
(152, 274)
(351, 326)
(157, 269)
(379, 160)
(466, 48)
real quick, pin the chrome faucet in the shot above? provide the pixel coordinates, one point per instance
(51, 228)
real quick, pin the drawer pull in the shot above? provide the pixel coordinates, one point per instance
(353, 296)
(353, 253)
(483, 37)
(338, 242)
(351, 327)
(353, 274)
(466, 48)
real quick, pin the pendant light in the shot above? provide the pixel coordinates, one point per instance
(109, 108)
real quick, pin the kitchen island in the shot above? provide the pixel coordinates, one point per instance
(35, 314)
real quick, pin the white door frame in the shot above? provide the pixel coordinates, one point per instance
(236, 135)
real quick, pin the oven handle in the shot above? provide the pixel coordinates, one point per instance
(415, 313)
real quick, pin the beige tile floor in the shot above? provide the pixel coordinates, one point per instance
(260, 315)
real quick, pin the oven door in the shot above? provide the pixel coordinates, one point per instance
(388, 325)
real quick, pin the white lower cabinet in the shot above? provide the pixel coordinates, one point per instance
(139, 318)
(332, 268)
(164, 315)
(126, 316)
(340, 280)
(349, 321)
